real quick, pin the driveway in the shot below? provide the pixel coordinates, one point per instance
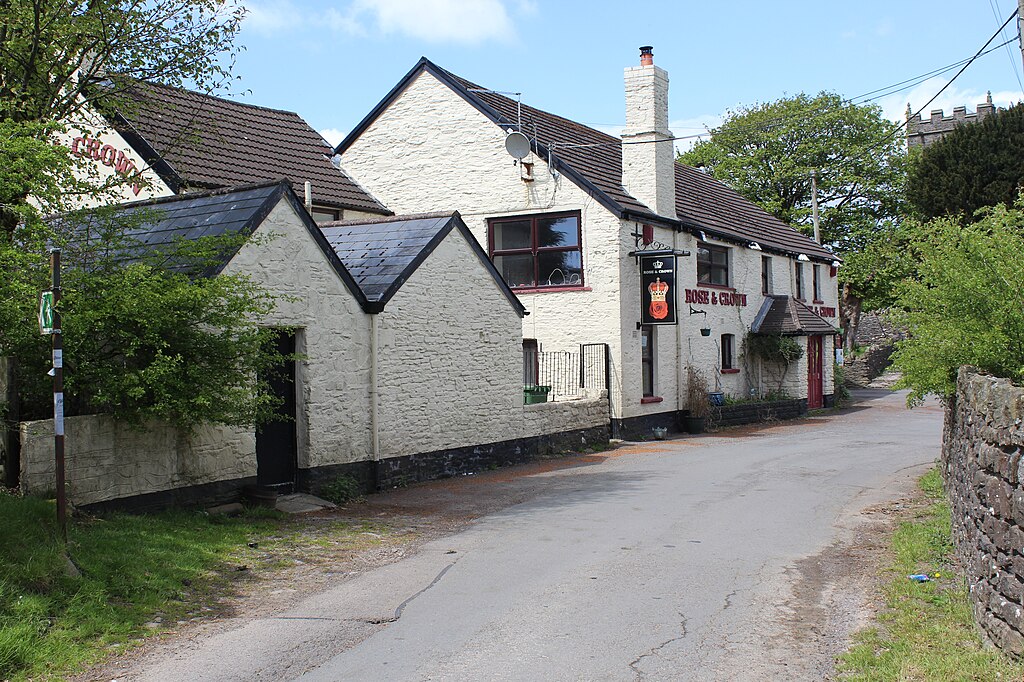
(744, 555)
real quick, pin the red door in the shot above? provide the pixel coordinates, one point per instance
(815, 374)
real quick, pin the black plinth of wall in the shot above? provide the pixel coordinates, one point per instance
(642, 428)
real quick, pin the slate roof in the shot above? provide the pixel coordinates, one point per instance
(209, 142)
(786, 316)
(231, 211)
(702, 203)
(381, 254)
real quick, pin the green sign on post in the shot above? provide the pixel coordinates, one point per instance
(46, 312)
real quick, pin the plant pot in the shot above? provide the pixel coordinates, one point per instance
(259, 496)
(693, 424)
(660, 432)
(535, 394)
(705, 331)
(716, 398)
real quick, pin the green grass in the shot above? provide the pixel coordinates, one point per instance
(927, 630)
(134, 570)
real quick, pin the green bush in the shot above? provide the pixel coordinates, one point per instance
(341, 490)
(966, 304)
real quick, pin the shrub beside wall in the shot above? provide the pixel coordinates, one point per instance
(981, 460)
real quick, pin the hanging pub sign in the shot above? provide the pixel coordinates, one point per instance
(658, 290)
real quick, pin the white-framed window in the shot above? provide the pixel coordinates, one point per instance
(816, 279)
(800, 281)
(766, 274)
(647, 359)
(728, 351)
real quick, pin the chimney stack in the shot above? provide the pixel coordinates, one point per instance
(648, 156)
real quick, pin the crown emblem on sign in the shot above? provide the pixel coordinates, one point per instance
(658, 264)
(658, 289)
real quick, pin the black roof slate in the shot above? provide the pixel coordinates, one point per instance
(786, 316)
(382, 254)
(208, 142)
(229, 211)
(702, 203)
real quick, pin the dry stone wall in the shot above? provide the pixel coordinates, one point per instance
(981, 460)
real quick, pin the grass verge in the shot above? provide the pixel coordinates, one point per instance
(140, 575)
(927, 631)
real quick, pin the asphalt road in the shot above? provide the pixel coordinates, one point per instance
(732, 556)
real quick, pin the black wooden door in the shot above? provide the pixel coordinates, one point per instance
(276, 449)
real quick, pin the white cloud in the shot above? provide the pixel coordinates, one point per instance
(333, 135)
(894, 107)
(273, 16)
(435, 21)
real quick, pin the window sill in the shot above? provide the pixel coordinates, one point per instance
(817, 302)
(724, 287)
(547, 290)
(647, 399)
(730, 371)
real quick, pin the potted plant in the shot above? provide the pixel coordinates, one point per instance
(697, 402)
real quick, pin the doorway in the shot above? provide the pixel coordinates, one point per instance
(815, 372)
(276, 446)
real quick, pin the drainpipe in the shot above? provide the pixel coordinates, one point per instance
(374, 390)
(679, 332)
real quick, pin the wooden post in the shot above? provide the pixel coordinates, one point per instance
(58, 396)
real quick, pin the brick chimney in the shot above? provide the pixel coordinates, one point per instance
(648, 168)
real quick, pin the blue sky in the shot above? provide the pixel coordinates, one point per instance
(333, 61)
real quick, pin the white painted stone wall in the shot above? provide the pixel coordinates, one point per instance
(450, 357)
(648, 153)
(99, 151)
(333, 380)
(106, 459)
(565, 415)
(430, 150)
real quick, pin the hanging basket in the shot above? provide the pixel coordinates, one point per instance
(705, 331)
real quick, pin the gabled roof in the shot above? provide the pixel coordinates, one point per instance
(383, 253)
(702, 203)
(200, 141)
(786, 316)
(156, 225)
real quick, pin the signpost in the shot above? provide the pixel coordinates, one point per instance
(49, 323)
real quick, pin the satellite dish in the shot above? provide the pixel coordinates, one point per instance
(517, 145)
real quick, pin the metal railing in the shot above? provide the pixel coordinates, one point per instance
(567, 374)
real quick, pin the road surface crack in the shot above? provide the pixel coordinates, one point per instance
(401, 607)
(728, 600)
(656, 651)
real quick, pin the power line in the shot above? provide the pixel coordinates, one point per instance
(1009, 53)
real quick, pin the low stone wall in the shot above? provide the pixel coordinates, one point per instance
(982, 467)
(110, 465)
(106, 459)
(752, 413)
(869, 365)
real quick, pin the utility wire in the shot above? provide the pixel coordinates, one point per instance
(1009, 52)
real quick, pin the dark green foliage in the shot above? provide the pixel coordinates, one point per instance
(965, 305)
(341, 490)
(140, 341)
(974, 166)
(782, 350)
(766, 152)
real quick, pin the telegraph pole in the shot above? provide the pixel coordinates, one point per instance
(50, 322)
(814, 197)
(1020, 13)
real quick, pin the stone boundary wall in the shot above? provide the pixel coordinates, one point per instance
(106, 459)
(752, 413)
(869, 365)
(982, 468)
(160, 465)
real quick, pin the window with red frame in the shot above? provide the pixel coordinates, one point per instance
(538, 251)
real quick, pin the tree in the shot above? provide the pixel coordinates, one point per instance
(965, 305)
(61, 58)
(767, 153)
(974, 166)
(141, 341)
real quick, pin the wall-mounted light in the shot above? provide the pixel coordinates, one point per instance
(703, 237)
(754, 245)
(804, 258)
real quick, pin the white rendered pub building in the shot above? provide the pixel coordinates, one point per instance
(567, 214)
